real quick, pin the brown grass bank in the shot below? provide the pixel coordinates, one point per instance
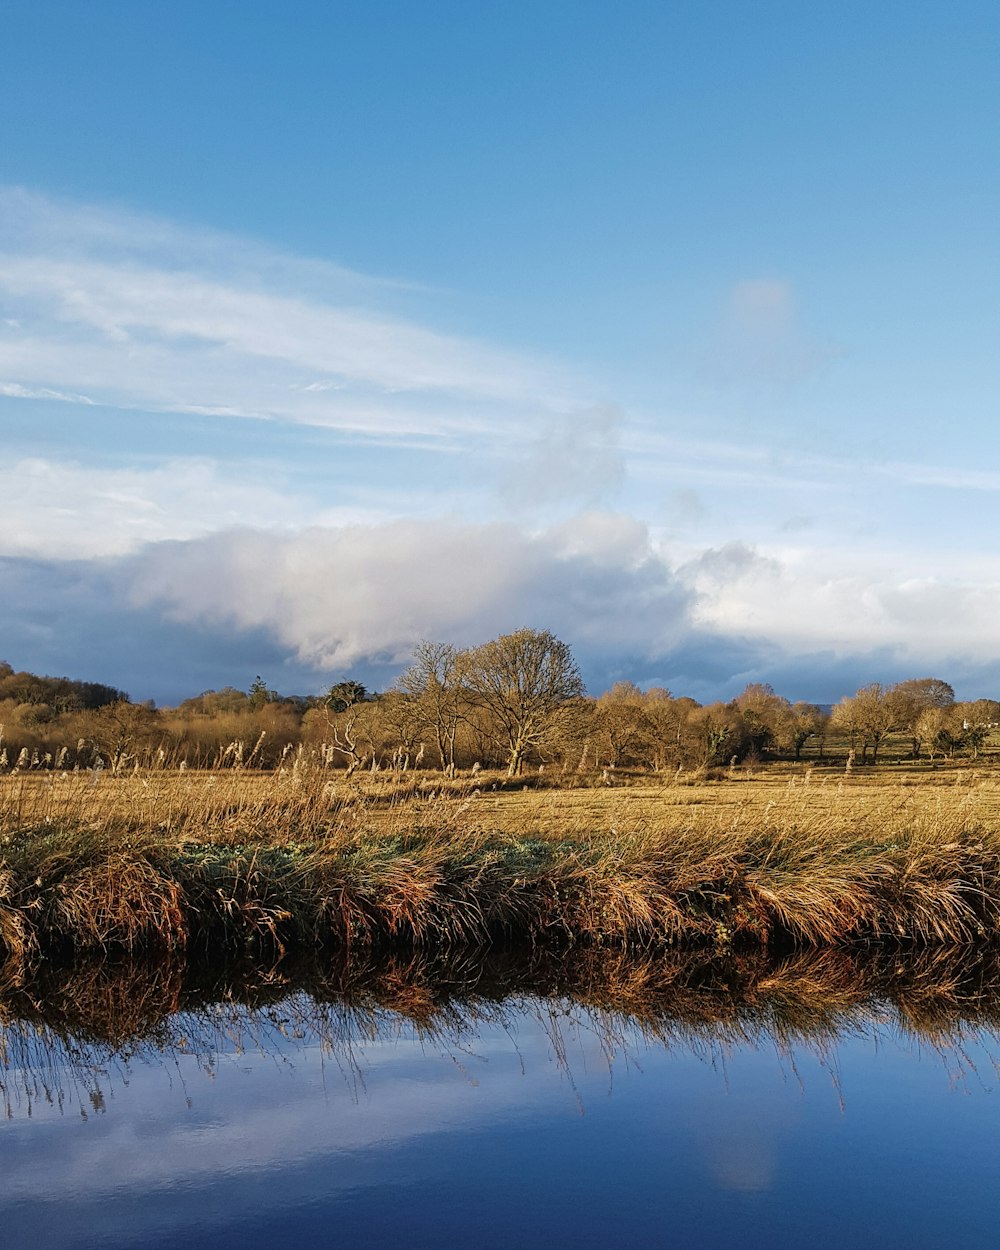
(170, 861)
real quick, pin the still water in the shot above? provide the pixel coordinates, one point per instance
(818, 1101)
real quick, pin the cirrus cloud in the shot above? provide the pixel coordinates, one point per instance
(109, 308)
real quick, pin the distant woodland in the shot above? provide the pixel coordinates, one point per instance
(514, 703)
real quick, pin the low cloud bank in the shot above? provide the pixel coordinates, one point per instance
(340, 597)
(301, 607)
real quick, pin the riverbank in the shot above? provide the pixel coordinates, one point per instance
(241, 862)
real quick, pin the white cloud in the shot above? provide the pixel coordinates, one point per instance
(357, 597)
(835, 549)
(759, 337)
(939, 475)
(339, 596)
(335, 597)
(576, 456)
(40, 224)
(135, 313)
(125, 303)
(850, 602)
(14, 391)
(64, 511)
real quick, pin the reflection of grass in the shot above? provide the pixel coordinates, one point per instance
(243, 861)
(78, 1023)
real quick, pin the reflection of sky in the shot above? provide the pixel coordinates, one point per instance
(518, 1136)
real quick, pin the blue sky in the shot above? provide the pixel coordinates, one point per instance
(670, 327)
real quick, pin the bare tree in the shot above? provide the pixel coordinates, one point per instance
(568, 739)
(869, 715)
(432, 684)
(764, 714)
(980, 712)
(398, 726)
(910, 699)
(521, 681)
(347, 711)
(806, 721)
(120, 729)
(976, 719)
(932, 727)
(671, 732)
(713, 732)
(624, 731)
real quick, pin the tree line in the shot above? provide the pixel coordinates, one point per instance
(515, 701)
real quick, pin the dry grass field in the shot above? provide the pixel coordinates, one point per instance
(804, 800)
(298, 805)
(305, 856)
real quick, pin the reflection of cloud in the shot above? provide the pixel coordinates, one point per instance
(741, 1159)
(272, 1115)
(285, 1121)
(740, 1132)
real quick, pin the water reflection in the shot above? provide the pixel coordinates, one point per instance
(66, 1038)
(580, 1098)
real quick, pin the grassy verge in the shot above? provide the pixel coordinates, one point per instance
(169, 862)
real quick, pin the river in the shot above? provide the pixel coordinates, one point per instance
(579, 1100)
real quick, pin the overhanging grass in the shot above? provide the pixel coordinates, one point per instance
(101, 891)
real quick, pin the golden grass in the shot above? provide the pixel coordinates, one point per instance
(304, 857)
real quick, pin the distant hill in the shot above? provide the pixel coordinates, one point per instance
(62, 694)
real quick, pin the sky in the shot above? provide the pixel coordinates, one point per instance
(672, 327)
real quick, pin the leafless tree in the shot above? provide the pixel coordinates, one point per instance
(910, 699)
(867, 716)
(521, 681)
(624, 732)
(806, 721)
(348, 708)
(432, 684)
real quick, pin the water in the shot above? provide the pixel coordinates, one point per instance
(582, 1101)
